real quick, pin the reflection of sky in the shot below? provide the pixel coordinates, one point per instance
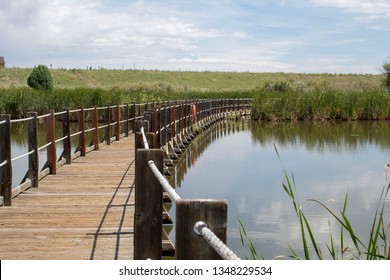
(250, 177)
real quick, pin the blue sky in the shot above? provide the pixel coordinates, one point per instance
(312, 36)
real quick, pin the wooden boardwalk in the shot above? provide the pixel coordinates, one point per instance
(84, 212)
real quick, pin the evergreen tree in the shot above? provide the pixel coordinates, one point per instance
(40, 78)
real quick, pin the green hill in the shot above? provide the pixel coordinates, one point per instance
(193, 81)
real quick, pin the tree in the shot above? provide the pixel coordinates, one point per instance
(386, 71)
(40, 78)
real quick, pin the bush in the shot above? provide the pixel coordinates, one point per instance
(40, 78)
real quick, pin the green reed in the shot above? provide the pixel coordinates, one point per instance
(370, 104)
(376, 248)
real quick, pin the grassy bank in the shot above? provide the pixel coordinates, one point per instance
(277, 96)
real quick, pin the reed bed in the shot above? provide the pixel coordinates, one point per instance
(370, 104)
(351, 246)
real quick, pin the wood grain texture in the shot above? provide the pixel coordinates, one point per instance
(86, 211)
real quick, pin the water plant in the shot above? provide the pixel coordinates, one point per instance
(377, 247)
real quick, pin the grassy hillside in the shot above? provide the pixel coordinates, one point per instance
(198, 81)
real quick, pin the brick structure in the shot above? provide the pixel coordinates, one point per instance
(2, 62)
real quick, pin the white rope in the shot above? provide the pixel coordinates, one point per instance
(201, 228)
(146, 145)
(164, 183)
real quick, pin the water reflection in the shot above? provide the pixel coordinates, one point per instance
(327, 160)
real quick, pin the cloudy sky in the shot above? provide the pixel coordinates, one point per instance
(312, 36)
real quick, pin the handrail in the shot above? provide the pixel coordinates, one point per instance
(170, 123)
(145, 141)
(122, 125)
(200, 228)
(3, 163)
(164, 183)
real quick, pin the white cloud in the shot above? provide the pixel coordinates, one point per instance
(171, 35)
(373, 9)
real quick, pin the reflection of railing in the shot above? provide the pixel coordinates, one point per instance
(116, 122)
(199, 222)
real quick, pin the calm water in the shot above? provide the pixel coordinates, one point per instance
(237, 161)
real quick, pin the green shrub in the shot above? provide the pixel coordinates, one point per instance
(40, 78)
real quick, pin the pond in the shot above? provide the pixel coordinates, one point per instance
(237, 161)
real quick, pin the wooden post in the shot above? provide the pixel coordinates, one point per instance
(148, 206)
(189, 245)
(126, 117)
(66, 133)
(117, 122)
(33, 158)
(51, 138)
(95, 124)
(81, 128)
(133, 117)
(5, 156)
(107, 120)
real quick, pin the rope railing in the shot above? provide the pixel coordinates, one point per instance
(166, 123)
(145, 141)
(163, 182)
(201, 228)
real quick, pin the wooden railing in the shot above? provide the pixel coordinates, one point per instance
(100, 124)
(169, 128)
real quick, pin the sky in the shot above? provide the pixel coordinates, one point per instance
(303, 36)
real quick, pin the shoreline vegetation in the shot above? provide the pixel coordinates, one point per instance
(276, 96)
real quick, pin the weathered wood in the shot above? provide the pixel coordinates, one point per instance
(148, 206)
(5, 156)
(81, 129)
(189, 245)
(86, 211)
(117, 116)
(33, 158)
(67, 153)
(126, 118)
(95, 124)
(107, 120)
(51, 138)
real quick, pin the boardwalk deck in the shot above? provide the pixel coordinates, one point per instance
(84, 212)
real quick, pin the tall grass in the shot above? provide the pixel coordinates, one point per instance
(376, 248)
(370, 104)
(19, 101)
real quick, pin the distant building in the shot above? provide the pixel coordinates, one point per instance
(2, 62)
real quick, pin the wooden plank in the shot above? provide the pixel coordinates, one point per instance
(75, 215)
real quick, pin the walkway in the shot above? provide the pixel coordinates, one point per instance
(84, 212)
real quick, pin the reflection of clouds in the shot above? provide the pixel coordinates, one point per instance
(249, 175)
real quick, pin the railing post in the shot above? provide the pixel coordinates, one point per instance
(107, 120)
(95, 124)
(133, 117)
(189, 245)
(126, 117)
(5, 156)
(117, 122)
(66, 133)
(33, 159)
(148, 206)
(81, 129)
(51, 138)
